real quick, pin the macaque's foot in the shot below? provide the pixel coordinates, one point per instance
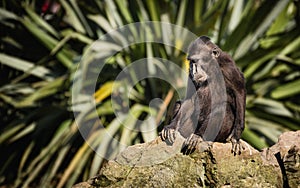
(190, 144)
(236, 146)
(168, 134)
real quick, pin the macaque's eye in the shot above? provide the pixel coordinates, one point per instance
(216, 52)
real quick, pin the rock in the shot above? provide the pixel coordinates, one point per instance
(151, 153)
(285, 154)
(160, 164)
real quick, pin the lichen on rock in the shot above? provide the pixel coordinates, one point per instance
(159, 164)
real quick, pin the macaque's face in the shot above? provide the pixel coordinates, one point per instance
(202, 57)
(197, 72)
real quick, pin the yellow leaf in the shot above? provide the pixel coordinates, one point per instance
(104, 91)
(186, 65)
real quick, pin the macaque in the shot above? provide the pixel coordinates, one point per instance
(214, 107)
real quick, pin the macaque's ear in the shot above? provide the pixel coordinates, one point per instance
(216, 52)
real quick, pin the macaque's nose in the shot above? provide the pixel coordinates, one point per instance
(193, 61)
(195, 70)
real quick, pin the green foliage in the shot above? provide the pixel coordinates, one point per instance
(40, 142)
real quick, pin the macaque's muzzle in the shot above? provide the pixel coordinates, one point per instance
(197, 73)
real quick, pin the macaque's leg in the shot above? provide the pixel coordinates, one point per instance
(169, 131)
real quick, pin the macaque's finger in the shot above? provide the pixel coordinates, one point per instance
(167, 134)
(190, 147)
(233, 146)
(172, 136)
(162, 134)
(185, 147)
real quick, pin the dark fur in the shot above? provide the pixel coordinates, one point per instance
(199, 117)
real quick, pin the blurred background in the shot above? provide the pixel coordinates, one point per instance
(43, 42)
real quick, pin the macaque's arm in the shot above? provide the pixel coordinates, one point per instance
(236, 82)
